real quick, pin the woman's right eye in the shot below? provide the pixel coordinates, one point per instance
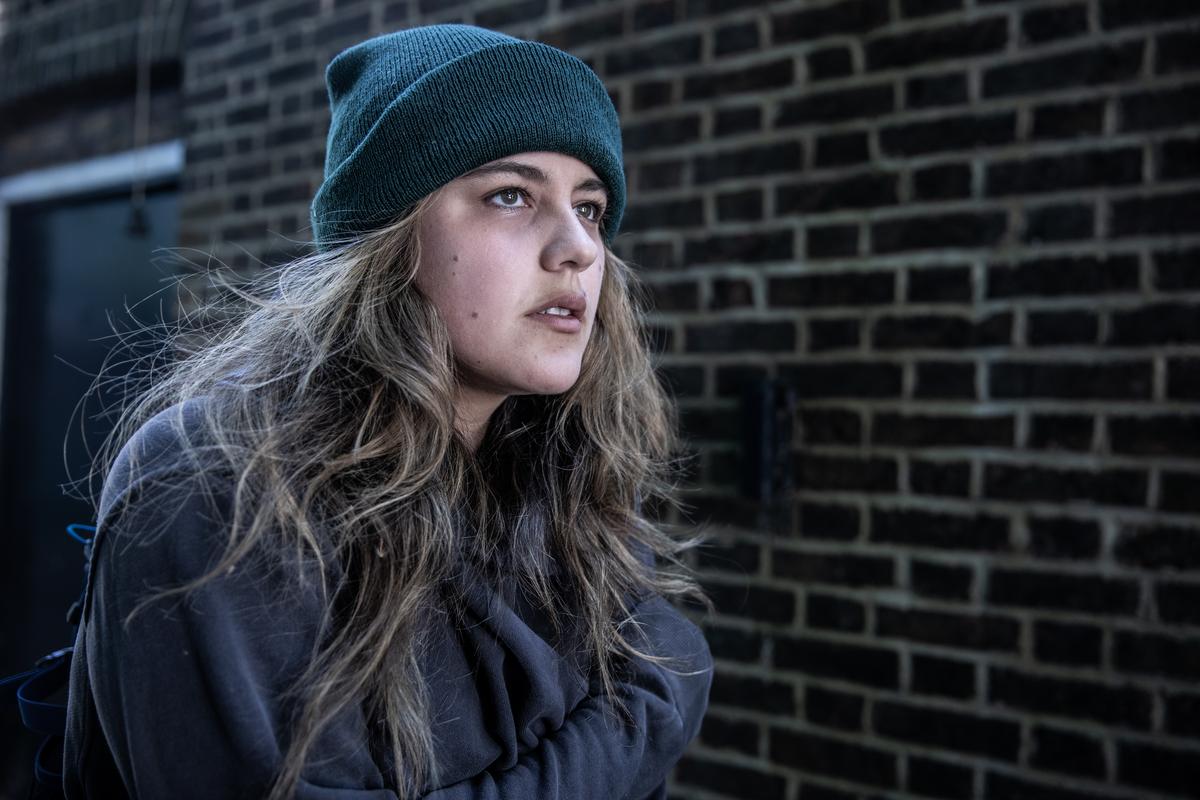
(509, 195)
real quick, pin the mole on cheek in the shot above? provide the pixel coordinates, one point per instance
(454, 257)
(474, 315)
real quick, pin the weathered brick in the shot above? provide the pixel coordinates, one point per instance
(746, 206)
(822, 611)
(1177, 51)
(673, 52)
(854, 379)
(733, 644)
(841, 149)
(830, 62)
(944, 430)
(947, 677)
(930, 91)
(1057, 591)
(930, 331)
(731, 779)
(1115, 14)
(833, 334)
(1153, 766)
(1072, 432)
(971, 631)
(1119, 704)
(1113, 380)
(1060, 750)
(850, 473)
(1179, 491)
(831, 289)
(686, 213)
(1158, 655)
(732, 337)
(731, 121)
(653, 14)
(1049, 24)
(961, 132)
(958, 40)
(1162, 214)
(1065, 275)
(834, 757)
(865, 190)
(1068, 120)
(1058, 223)
(768, 245)
(1160, 546)
(1063, 537)
(828, 521)
(848, 16)
(1067, 643)
(936, 231)
(1087, 66)
(940, 530)
(868, 665)
(830, 426)
(745, 691)
(945, 379)
(839, 569)
(772, 159)
(758, 78)
(832, 241)
(932, 778)
(730, 293)
(729, 734)
(835, 105)
(1183, 378)
(951, 730)
(754, 602)
(1156, 324)
(945, 478)
(942, 182)
(1057, 328)
(944, 581)
(833, 709)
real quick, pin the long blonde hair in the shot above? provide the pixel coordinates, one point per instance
(329, 406)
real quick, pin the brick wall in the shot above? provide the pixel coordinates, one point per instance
(68, 78)
(966, 234)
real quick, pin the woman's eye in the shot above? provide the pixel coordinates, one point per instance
(509, 197)
(596, 212)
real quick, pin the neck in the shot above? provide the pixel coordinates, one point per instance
(472, 411)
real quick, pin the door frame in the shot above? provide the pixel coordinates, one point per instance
(149, 164)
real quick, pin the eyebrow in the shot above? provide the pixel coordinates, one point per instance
(532, 173)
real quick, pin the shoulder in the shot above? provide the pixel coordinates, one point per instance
(169, 448)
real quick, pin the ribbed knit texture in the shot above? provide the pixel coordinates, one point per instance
(413, 110)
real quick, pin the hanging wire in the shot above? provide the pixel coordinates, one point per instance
(141, 121)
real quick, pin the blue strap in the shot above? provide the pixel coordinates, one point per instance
(49, 675)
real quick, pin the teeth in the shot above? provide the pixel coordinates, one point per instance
(557, 311)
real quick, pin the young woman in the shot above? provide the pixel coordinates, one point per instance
(383, 535)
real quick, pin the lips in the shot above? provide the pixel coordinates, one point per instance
(575, 302)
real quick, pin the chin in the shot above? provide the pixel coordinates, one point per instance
(555, 382)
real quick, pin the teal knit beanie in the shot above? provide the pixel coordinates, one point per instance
(414, 109)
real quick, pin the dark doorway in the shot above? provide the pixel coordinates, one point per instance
(72, 263)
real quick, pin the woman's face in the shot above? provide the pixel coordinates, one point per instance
(512, 257)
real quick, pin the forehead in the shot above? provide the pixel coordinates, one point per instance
(541, 167)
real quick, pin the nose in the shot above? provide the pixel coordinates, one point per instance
(570, 244)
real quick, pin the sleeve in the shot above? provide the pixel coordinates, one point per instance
(190, 694)
(596, 755)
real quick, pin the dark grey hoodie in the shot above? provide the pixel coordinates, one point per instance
(189, 699)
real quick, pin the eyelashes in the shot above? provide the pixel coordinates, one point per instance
(598, 217)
